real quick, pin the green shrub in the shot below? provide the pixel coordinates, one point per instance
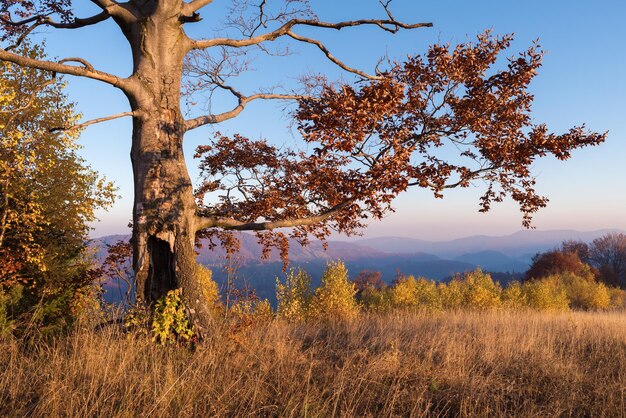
(9, 300)
(585, 292)
(376, 300)
(170, 322)
(87, 306)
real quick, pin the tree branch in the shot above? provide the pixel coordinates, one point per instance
(195, 5)
(231, 224)
(331, 57)
(58, 67)
(389, 25)
(123, 11)
(46, 20)
(243, 102)
(92, 122)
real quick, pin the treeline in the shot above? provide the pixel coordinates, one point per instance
(339, 298)
(604, 256)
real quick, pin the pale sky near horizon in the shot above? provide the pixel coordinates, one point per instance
(581, 81)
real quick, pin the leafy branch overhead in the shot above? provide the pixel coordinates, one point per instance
(377, 139)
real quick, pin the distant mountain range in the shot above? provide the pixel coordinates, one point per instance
(510, 256)
(518, 244)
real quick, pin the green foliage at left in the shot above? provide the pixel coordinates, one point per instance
(170, 322)
(48, 197)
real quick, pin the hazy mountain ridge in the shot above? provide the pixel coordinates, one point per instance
(518, 244)
(497, 253)
(508, 256)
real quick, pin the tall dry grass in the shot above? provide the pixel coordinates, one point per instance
(447, 364)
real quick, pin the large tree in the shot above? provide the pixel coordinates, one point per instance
(371, 140)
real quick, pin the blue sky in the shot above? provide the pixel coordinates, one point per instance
(581, 81)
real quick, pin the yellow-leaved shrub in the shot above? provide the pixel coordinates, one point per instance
(334, 299)
(210, 290)
(170, 322)
(294, 296)
(481, 292)
(513, 296)
(547, 294)
(452, 294)
(420, 293)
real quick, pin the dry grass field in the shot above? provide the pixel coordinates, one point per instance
(444, 364)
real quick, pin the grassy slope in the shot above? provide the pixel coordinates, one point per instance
(492, 364)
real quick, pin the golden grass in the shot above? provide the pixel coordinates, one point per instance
(446, 364)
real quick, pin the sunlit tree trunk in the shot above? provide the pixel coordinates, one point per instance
(164, 206)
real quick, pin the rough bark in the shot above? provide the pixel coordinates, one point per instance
(164, 206)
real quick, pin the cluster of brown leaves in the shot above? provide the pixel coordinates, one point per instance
(437, 121)
(11, 268)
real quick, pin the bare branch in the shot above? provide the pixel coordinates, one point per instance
(124, 11)
(92, 122)
(243, 101)
(388, 25)
(42, 20)
(195, 5)
(331, 57)
(46, 20)
(58, 67)
(82, 61)
(235, 225)
(78, 22)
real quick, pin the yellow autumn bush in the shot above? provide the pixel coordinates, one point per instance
(294, 296)
(334, 299)
(547, 294)
(481, 292)
(452, 294)
(210, 290)
(376, 300)
(513, 296)
(420, 293)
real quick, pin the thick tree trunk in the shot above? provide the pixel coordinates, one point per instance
(164, 206)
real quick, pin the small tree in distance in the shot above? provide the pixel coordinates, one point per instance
(556, 262)
(370, 140)
(368, 279)
(608, 254)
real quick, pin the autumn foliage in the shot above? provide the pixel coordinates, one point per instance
(375, 140)
(48, 197)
